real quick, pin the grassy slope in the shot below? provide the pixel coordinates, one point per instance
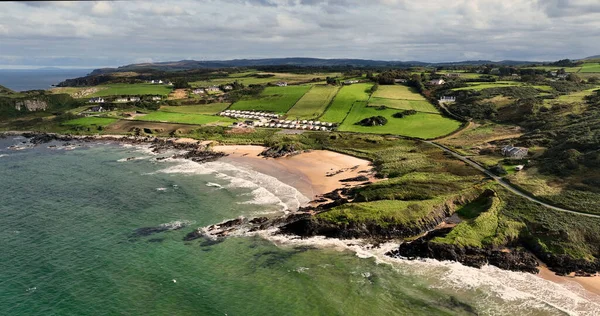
(401, 97)
(421, 125)
(313, 103)
(339, 108)
(90, 121)
(211, 108)
(273, 99)
(185, 118)
(398, 92)
(131, 89)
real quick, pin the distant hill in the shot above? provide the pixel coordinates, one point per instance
(293, 61)
(5, 90)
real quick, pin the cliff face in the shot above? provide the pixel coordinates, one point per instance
(31, 105)
(313, 226)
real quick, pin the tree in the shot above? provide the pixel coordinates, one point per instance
(573, 78)
(180, 83)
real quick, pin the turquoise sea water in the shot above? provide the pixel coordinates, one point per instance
(70, 244)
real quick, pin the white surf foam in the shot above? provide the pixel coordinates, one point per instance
(3, 155)
(265, 190)
(133, 158)
(177, 224)
(497, 291)
(214, 185)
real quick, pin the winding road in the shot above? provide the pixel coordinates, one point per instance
(505, 184)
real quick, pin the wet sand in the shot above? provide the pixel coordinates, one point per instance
(591, 284)
(312, 173)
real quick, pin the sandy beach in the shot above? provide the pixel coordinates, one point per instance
(591, 284)
(312, 173)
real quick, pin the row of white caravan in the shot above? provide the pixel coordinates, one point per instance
(291, 126)
(248, 114)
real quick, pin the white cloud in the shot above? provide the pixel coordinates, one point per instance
(434, 30)
(102, 8)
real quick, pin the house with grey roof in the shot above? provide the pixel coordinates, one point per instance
(514, 152)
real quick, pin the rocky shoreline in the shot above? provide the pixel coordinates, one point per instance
(303, 222)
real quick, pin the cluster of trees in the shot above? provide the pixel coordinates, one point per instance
(404, 113)
(373, 121)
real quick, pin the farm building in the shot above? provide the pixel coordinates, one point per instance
(156, 98)
(400, 80)
(350, 81)
(127, 99)
(198, 91)
(227, 87)
(97, 108)
(213, 89)
(446, 99)
(515, 152)
(452, 75)
(156, 81)
(96, 100)
(437, 82)
(281, 84)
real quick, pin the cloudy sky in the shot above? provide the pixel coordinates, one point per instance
(91, 34)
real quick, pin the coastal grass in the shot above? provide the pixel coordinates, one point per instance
(489, 228)
(185, 118)
(90, 121)
(211, 108)
(420, 125)
(382, 213)
(344, 100)
(313, 103)
(118, 89)
(420, 106)
(272, 99)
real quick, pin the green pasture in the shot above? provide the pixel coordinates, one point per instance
(90, 121)
(131, 89)
(420, 106)
(341, 104)
(421, 125)
(398, 92)
(211, 108)
(185, 118)
(313, 103)
(273, 99)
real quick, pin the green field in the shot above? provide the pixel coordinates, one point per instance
(590, 67)
(185, 118)
(339, 108)
(313, 103)
(249, 78)
(420, 106)
(273, 99)
(421, 125)
(576, 97)
(131, 89)
(90, 121)
(486, 85)
(398, 92)
(211, 108)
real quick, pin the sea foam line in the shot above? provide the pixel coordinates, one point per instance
(502, 292)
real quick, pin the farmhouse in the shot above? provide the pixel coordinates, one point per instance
(156, 81)
(562, 76)
(452, 75)
(446, 99)
(281, 84)
(156, 98)
(400, 80)
(227, 87)
(350, 81)
(127, 99)
(96, 100)
(515, 152)
(437, 82)
(213, 89)
(519, 167)
(198, 91)
(97, 109)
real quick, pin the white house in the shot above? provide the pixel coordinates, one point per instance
(446, 99)
(437, 82)
(96, 100)
(213, 89)
(281, 84)
(198, 91)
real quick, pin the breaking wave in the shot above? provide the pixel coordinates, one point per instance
(264, 189)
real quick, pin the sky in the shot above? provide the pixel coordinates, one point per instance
(113, 33)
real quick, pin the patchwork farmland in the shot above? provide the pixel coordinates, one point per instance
(272, 99)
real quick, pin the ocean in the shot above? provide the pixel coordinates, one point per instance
(37, 79)
(87, 231)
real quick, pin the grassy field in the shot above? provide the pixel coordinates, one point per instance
(185, 118)
(90, 121)
(131, 89)
(576, 97)
(249, 78)
(313, 103)
(273, 99)
(420, 106)
(401, 97)
(398, 92)
(486, 85)
(421, 125)
(590, 67)
(212, 108)
(343, 101)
